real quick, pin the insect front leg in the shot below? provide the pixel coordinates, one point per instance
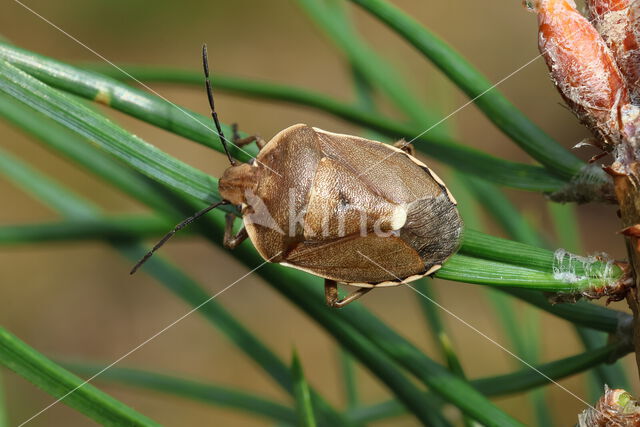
(230, 241)
(241, 142)
(332, 297)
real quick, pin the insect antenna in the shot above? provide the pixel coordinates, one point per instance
(177, 228)
(214, 115)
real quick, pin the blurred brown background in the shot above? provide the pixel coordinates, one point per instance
(77, 301)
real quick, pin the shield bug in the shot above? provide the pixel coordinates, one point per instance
(348, 209)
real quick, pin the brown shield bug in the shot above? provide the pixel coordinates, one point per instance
(344, 208)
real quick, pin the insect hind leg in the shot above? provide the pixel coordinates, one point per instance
(333, 299)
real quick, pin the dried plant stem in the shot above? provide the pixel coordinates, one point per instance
(626, 174)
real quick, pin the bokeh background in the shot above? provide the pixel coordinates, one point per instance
(77, 301)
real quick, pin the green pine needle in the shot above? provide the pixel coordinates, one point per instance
(61, 384)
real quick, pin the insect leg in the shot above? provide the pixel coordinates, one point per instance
(332, 297)
(249, 139)
(230, 241)
(240, 142)
(235, 133)
(407, 148)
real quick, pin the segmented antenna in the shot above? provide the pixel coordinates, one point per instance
(223, 141)
(214, 115)
(177, 228)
